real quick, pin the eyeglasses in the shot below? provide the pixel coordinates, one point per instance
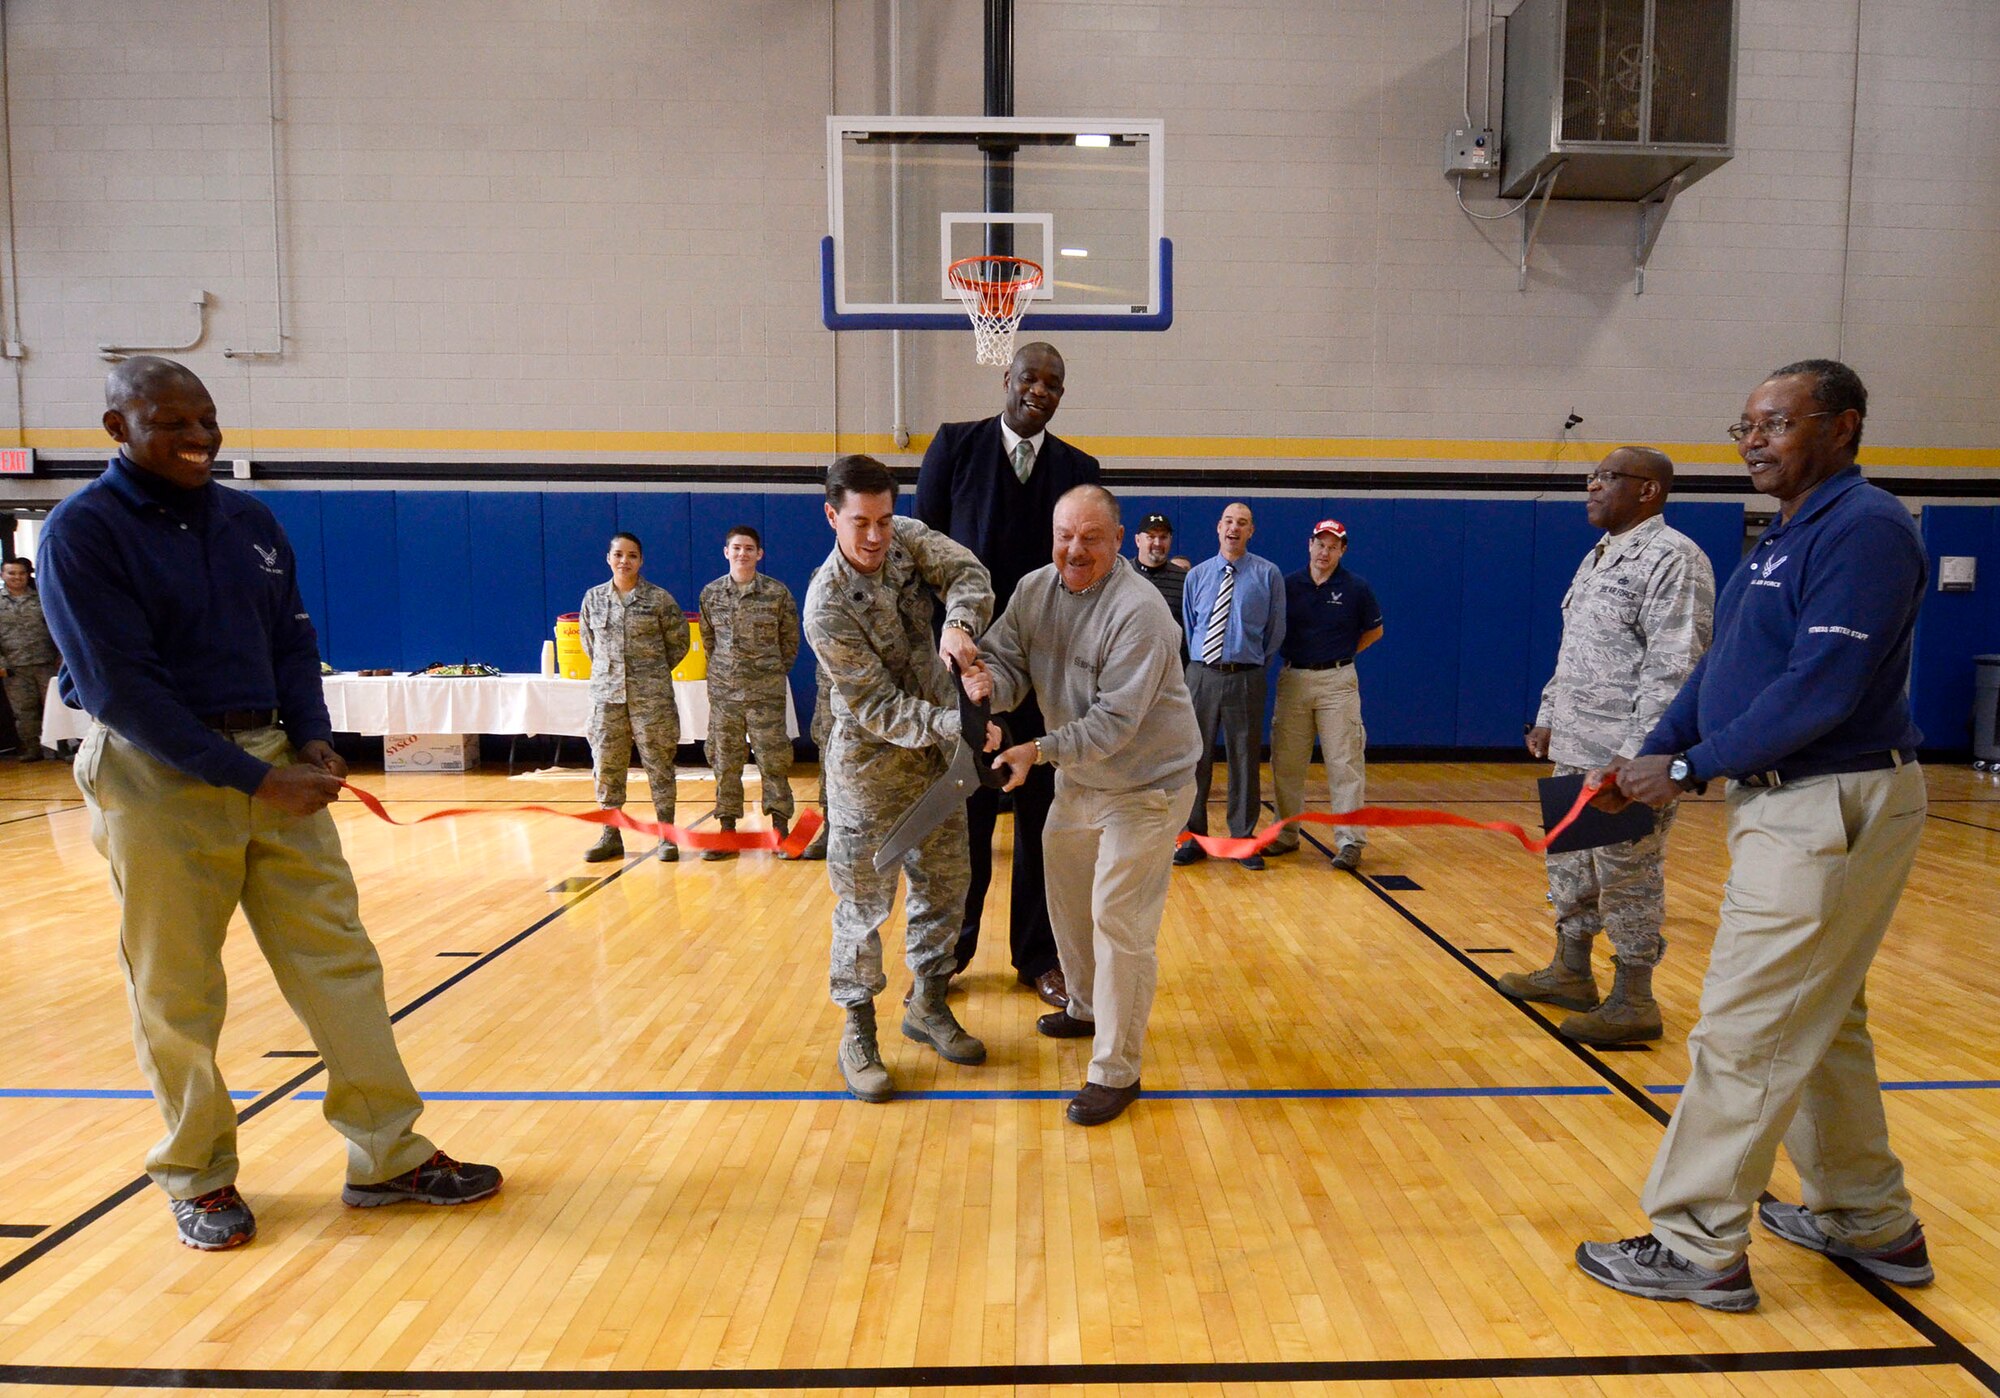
(1605, 478)
(1776, 425)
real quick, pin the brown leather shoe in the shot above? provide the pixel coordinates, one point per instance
(1060, 1026)
(1051, 989)
(1097, 1104)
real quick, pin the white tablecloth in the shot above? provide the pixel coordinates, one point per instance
(380, 704)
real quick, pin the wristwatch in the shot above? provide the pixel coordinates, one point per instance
(1039, 759)
(962, 624)
(1682, 775)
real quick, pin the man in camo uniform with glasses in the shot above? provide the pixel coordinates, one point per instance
(1636, 619)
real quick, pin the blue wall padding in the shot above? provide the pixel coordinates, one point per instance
(364, 622)
(433, 546)
(508, 614)
(660, 519)
(1496, 690)
(1469, 588)
(297, 513)
(797, 540)
(576, 534)
(1953, 627)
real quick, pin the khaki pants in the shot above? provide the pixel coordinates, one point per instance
(1326, 702)
(1107, 856)
(1782, 1050)
(183, 854)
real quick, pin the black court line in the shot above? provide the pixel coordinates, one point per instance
(42, 1248)
(1489, 951)
(1947, 1347)
(461, 953)
(1955, 820)
(1401, 883)
(293, 1053)
(42, 815)
(986, 1375)
(21, 1230)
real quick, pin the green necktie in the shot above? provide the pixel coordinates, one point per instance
(1024, 459)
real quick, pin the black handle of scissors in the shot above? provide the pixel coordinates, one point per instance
(973, 716)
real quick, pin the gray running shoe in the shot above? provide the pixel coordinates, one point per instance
(1644, 1266)
(1348, 858)
(1906, 1261)
(215, 1221)
(439, 1180)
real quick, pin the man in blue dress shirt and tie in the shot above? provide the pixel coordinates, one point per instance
(1234, 610)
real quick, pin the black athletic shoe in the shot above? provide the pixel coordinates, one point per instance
(215, 1221)
(439, 1180)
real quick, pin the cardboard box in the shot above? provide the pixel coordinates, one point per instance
(430, 752)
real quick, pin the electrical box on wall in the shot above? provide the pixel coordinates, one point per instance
(1471, 153)
(1957, 574)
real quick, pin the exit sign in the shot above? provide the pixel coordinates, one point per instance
(17, 461)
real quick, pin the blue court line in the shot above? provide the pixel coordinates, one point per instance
(1303, 1094)
(114, 1094)
(1237, 1094)
(1912, 1085)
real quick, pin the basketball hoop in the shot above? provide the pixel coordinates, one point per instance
(996, 292)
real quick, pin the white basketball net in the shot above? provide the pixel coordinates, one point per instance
(996, 292)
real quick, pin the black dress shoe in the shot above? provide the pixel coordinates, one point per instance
(1252, 861)
(1060, 1026)
(1097, 1104)
(1190, 853)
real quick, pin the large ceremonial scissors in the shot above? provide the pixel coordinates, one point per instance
(967, 772)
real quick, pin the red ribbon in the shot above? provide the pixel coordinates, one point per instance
(1233, 847)
(790, 847)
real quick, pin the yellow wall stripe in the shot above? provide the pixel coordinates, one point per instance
(494, 442)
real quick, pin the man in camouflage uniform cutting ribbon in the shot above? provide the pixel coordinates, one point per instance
(1636, 619)
(634, 633)
(751, 627)
(868, 615)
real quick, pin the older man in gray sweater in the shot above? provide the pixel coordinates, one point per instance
(1101, 652)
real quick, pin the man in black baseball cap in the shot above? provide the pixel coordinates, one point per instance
(1155, 538)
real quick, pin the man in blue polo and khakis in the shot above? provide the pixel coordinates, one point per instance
(1802, 705)
(208, 771)
(1331, 616)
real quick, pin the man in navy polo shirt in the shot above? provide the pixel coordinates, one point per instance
(208, 772)
(1802, 704)
(1331, 616)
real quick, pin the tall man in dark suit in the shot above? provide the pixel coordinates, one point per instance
(993, 485)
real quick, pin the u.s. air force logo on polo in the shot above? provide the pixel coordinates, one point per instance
(269, 559)
(1769, 568)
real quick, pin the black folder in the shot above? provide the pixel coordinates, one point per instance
(1594, 828)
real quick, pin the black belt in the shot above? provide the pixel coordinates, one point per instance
(240, 720)
(1230, 669)
(1329, 665)
(1828, 767)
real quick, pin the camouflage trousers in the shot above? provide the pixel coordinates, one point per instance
(868, 785)
(1621, 889)
(614, 730)
(757, 725)
(27, 686)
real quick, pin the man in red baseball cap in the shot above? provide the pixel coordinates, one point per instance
(1331, 616)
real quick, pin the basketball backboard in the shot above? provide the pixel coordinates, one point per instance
(908, 196)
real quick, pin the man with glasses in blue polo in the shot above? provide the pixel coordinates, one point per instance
(1802, 705)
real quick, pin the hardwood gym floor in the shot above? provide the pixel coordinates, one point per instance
(1357, 1169)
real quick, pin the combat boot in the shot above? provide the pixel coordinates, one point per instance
(728, 827)
(816, 847)
(1567, 981)
(928, 1020)
(1628, 1015)
(610, 845)
(860, 1058)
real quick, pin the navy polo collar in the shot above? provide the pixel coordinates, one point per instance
(139, 488)
(1820, 500)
